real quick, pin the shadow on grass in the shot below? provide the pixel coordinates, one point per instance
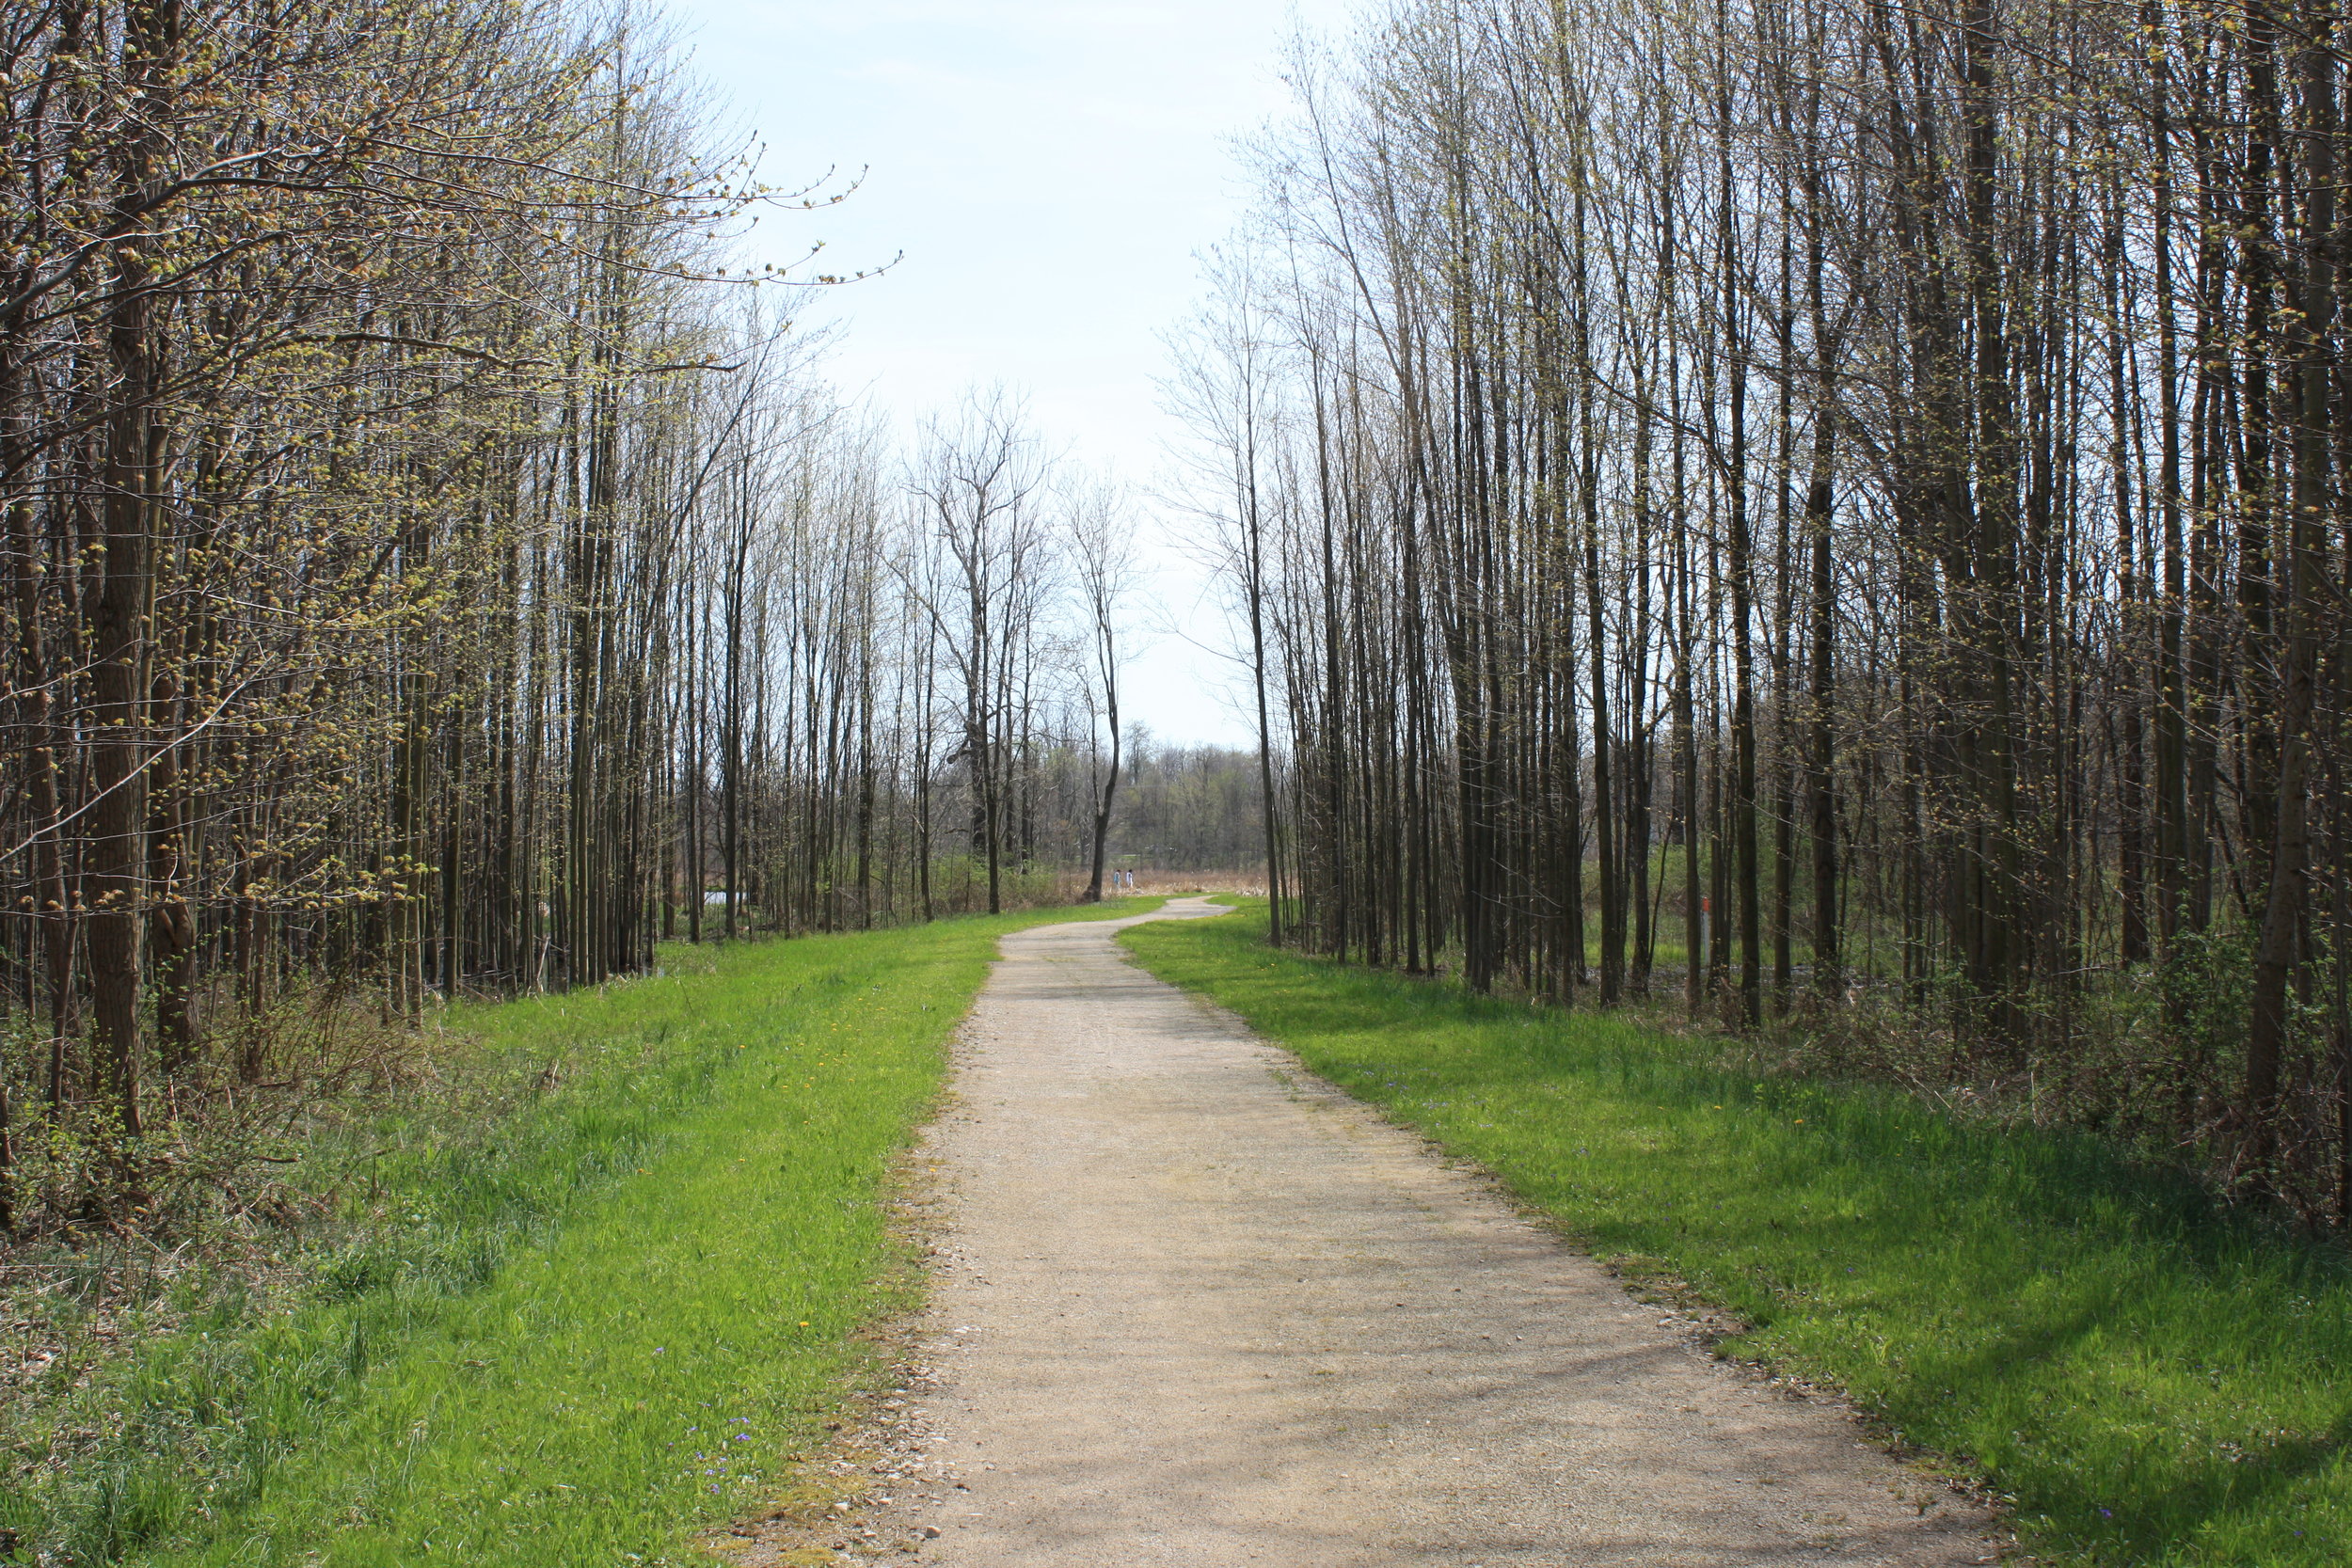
(2151, 1376)
(624, 1209)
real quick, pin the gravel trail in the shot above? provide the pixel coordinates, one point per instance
(1197, 1309)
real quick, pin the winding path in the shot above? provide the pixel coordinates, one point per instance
(1198, 1309)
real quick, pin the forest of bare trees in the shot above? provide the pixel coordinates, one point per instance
(1827, 511)
(1190, 808)
(436, 570)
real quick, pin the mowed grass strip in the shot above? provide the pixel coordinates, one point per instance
(2151, 1377)
(646, 1357)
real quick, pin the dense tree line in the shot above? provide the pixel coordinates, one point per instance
(1188, 808)
(1821, 507)
(433, 569)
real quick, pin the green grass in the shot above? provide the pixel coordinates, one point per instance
(2149, 1377)
(582, 1332)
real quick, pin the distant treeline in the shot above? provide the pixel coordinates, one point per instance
(1188, 808)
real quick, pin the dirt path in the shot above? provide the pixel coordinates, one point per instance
(1198, 1309)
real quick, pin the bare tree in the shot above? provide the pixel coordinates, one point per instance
(980, 487)
(1101, 550)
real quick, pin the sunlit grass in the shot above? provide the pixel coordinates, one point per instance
(587, 1333)
(2153, 1378)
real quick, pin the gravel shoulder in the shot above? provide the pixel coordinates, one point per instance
(1194, 1307)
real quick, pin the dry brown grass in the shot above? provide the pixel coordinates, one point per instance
(1171, 885)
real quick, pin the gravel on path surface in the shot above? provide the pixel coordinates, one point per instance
(1196, 1309)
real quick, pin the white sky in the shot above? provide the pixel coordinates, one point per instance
(1049, 169)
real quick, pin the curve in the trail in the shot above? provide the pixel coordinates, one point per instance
(1198, 1309)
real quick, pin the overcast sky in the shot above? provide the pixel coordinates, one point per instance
(1049, 171)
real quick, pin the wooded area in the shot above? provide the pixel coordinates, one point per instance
(435, 568)
(1791, 568)
(1870, 478)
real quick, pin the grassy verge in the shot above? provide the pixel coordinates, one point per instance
(581, 1330)
(2149, 1377)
